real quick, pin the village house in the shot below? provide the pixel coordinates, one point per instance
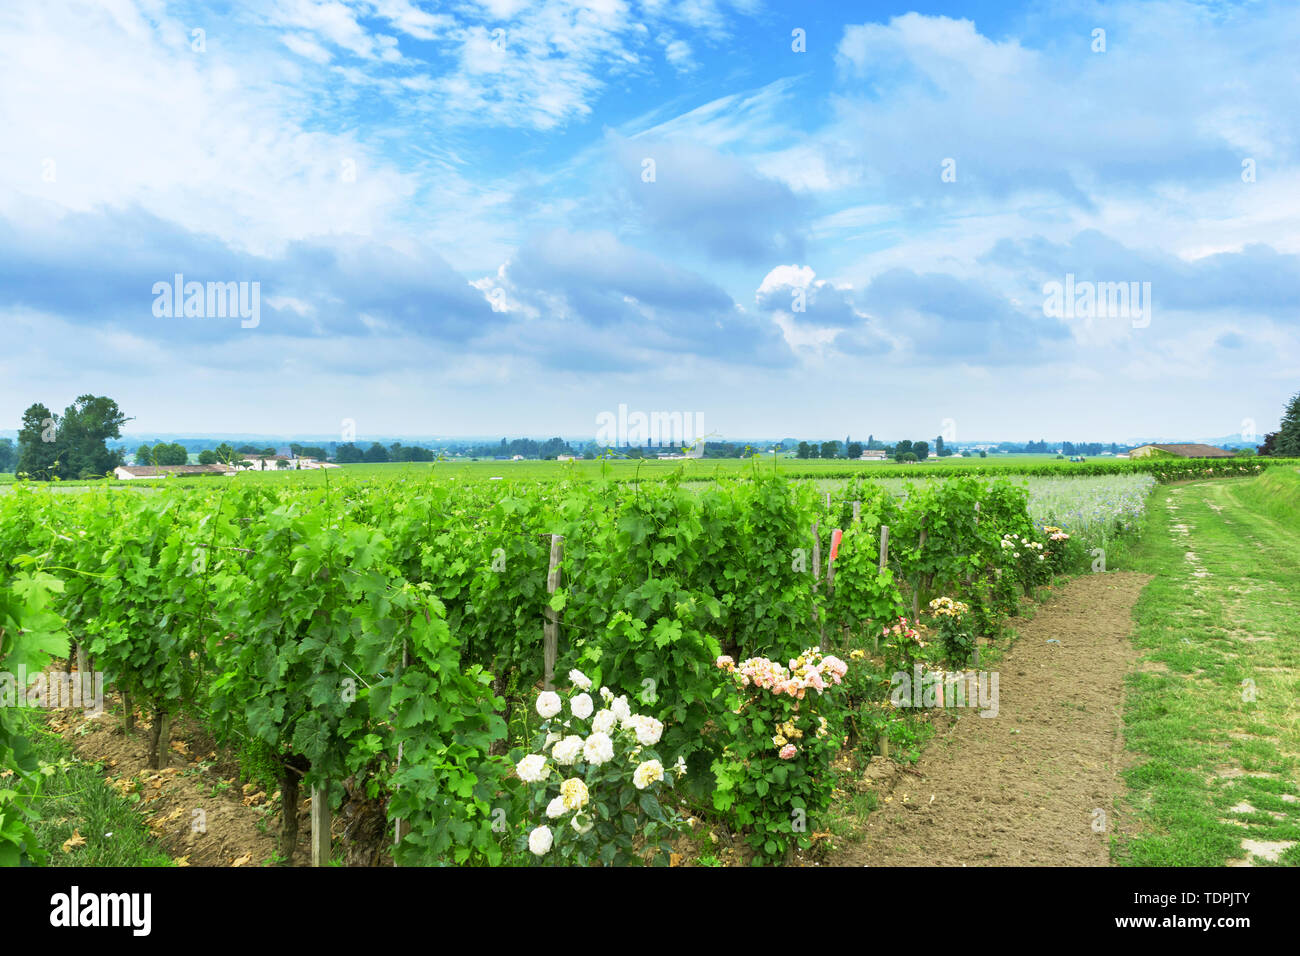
(1181, 451)
(131, 472)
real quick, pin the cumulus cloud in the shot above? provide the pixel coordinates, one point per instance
(713, 201)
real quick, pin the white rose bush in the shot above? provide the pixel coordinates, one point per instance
(593, 783)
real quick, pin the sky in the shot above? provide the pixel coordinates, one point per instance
(503, 217)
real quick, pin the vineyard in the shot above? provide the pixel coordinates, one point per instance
(386, 642)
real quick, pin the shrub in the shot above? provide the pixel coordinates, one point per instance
(594, 778)
(773, 774)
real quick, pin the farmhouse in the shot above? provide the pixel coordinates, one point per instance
(130, 472)
(872, 454)
(1181, 451)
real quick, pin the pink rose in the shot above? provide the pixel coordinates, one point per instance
(788, 751)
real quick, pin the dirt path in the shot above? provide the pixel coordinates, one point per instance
(1023, 788)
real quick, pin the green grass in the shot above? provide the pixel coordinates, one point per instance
(1208, 625)
(75, 797)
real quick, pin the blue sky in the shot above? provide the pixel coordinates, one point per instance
(448, 210)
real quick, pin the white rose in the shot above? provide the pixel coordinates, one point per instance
(555, 808)
(622, 711)
(579, 680)
(582, 706)
(540, 840)
(649, 772)
(567, 750)
(532, 769)
(583, 822)
(648, 730)
(550, 739)
(603, 722)
(548, 703)
(606, 694)
(598, 749)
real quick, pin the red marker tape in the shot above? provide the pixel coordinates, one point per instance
(835, 543)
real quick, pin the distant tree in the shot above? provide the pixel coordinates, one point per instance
(349, 454)
(1288, 435)
(282, 464)
(921, 450)
(553, 448)
(830, 449)
(854, 449)
(8, 455)
(904, 447)
(207, 457)
(144, 455)
(38, 455)
(376, 453)
(983, 453)
(1270, 444)
(939, 450)
(83, 434)
(225, 454)
(803, 451)
(907, 456)
(1244, 453)
(172, 453)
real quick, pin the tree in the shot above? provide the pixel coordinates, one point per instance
(376, 453)
(38, 455)
(8, 455)
(939, 450)
(225, 454)
(921, 450)
(1270, 444)
(830, 449)
(854, 449)
(904, 447)
(803, 451)
(349, 454)
(88, 424)
(144, 455)
(983, 453)
(172, 453)
(207, 457)
(1288, 435)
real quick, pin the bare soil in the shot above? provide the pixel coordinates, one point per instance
(1029, 786)
(196, 807)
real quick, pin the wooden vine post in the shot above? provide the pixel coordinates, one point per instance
(400, 827)
(916, 584)
(817, 570)
(320, 824)
(551, 630)
(976, 657)
(884, 561)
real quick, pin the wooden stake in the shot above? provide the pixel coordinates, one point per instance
(401, 827)
(320, 825)
(551, 630)
(916, 587)
(817, 569)
(884, 546)
(857, 511)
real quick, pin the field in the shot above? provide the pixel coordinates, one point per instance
(380, 637)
